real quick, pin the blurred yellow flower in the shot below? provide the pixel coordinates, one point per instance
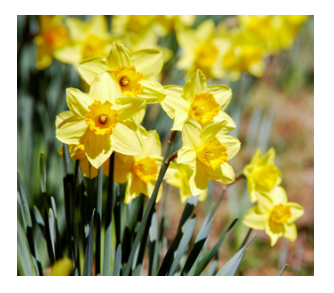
(206, 150)
(53, 36)
(140, 171)
(88, 39)
(275, 215)
(178, 176)
(165, 23)
(262, 175)
(131, 71)
(201, 49)
(123, 24)
(199, 101)
(62, 267)
(100, 121)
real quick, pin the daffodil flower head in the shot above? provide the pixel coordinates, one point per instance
(275, 215)
(262, 175)
(140, 171)
(89, 39)
(101, 121)
(52, 37)
(206, 150)
(199, 101)
(178, 176)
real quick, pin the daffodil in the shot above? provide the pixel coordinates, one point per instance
(100, 121)
(53, 36)
(140, 171)
(165, 23)
(201, 49)
(262, 175)
(206, 151)
(196, 100)
(178, 176)
(123, 24)
(77, 152)
(133, 73)
(88, 39)
(275, 215)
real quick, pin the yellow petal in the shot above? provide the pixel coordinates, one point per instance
(138, 118)
(256, 156)
(296, 211)
(105, 88)
(126, 138)
(231, 143)
(72, 130)
(150, 187)
(174, 100)
(151, 146)
(149, 62)
(98, 148)
(134, 187)
(153, 92)
(206, 29)
(255, 219)
(290, 231)
(222, 116)
(210, 130)
(265, 203)
(179, 119)
(274, 231)
(62, 267)
(195, 85)
(190, 133)
(78, 101)
(97, 24)
(278, 195)
(118, 56)
(203, 195)
(122, 167)
(222, 94)
(224, 173)
(90, 68)
(85, 165)
(251, 190)
(268, 158)
(187, 155)
(63, 116)
(199, 180)
(76, 28)
(127, 107)
(69, 54)
(44, 57)
(187, 39)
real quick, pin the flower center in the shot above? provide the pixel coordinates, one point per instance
(266, 176)
(101, 118)
(207, 54)
(56, 37)
(94, 46)
(280, 214)
(146, 169)
(204, 107)
(128, 78)
(212, 154)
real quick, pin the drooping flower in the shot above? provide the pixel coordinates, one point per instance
(275, 215)
(131, 72)
(206, 150)
(53, 36)
(88, 39)
(140, 171)
(178, 176)
(198, 101)
(101, 121)
(262, 175)
(201, 49)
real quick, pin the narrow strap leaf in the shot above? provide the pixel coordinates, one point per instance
(118, 261)
(282, 270)
(88, 264)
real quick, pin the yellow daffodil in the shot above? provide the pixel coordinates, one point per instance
(62, 267)
(201, 49)
(165, 23)
(198, 101)
(140, 171)
(53, 36)
(101, 121)
(123, 24)
(206, 150)
(178, 176)
(262, 175)
(77, 152)
(245, 53)
(131, 71)
(88, 39)
(275, 215)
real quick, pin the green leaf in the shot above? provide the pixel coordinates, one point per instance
(118, 261)
(24, 206)
(282, 270)
(59, 250)
(39, 220)
(212, 252)
(67, 160)
(69, 214)
(232, 265)
(77, 254)
(98, 224)
(52, 231)
(24, 251)
(135, 209)
(183, 245)
(42, 172)
(153, 243)
(89, 253)
(213, 268)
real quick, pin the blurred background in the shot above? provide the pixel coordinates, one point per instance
(272, 105)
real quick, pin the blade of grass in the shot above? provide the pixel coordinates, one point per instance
(88, 264)
(282, 270)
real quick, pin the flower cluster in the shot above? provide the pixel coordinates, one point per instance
(273, 213)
